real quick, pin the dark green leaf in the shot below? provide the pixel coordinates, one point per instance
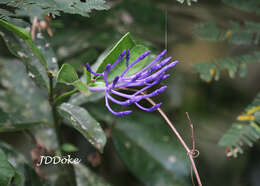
(148, 153)
(38, 8)
(23, 105)
(148, 148)
(81, 120)
(7, 171)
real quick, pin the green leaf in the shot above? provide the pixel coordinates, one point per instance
(209, 31)
(257, 117)
(147, 147)
(81, 120)
(87, 76)
(125, 43)
(146, 154)
(68, 75)
(38, 8)
(22, 104)
(35, 69)
(85, 176)
(21, 32)
(230, 64)
(246, 132)
(208, 71)
(235, 33)
(7, 171)
(68, 147)
(135, 52)
(238, 135)
(25, 35)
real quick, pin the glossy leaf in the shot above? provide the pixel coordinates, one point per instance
(81, 120)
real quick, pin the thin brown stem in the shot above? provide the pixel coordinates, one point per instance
(170, 124)
(189, 152)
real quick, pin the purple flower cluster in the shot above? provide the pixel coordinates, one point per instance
(147, 77)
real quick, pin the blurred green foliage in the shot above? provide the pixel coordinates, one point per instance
(46, 108)
(242, 33)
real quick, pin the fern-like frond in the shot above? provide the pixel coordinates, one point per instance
(40, 8)
(211, 70)
(244, 133)
(245, 5)
(246, 34)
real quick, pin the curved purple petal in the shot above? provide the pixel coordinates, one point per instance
(120, 57)
(89, 69)
(151, 109)
(107, 70)
(116, 113)
(127, 57)
(140, 58)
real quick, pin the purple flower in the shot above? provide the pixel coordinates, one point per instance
(147, 77)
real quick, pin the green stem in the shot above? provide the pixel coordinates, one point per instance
(64, 96)
(67, 170)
